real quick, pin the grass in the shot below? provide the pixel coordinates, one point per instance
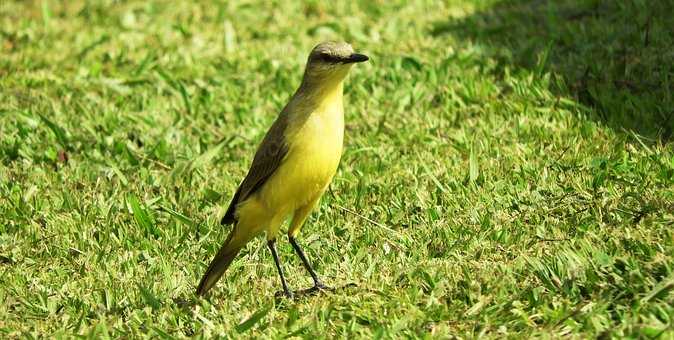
(508, 170)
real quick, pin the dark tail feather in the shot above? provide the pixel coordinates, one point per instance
(229, 217)
(217, 268)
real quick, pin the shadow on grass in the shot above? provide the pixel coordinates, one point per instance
(313, 291)
(613, 56)
(187, 302)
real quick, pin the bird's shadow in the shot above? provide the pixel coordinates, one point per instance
(187, 303)
(280, 296)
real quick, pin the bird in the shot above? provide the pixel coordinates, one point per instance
(293, 165)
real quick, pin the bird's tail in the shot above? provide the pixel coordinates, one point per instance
(219, 265)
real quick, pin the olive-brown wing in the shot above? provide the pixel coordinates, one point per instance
(268, 158)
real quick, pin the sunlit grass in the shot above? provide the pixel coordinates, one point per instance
(490, 185)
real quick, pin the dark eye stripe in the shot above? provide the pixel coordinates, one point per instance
(328, 58)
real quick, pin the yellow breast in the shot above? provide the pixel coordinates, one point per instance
(314, 151)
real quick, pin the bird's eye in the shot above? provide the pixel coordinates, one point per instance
(326, 57)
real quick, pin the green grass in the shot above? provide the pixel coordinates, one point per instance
(508, 168)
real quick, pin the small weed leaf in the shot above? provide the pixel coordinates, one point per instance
(252, 320)
(149, 298)
(143, 220)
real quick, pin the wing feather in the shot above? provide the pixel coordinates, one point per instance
(268, 158)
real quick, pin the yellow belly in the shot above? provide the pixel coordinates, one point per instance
(314, 151)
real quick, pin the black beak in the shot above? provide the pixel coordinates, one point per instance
(357, 58)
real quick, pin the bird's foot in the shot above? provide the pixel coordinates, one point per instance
(321, 286)
(318, 287)
(285, 294)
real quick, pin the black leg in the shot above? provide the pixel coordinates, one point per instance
(272, 247)
(318, 285)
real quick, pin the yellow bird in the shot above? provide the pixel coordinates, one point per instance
(293, 165)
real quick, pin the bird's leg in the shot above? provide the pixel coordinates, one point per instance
(318, 285)
(272, 247)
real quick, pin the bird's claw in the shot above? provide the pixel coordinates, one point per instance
(321, 286)
(290, 295)
(285, 294)
(318, 287)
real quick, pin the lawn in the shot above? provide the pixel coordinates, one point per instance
(508, 168)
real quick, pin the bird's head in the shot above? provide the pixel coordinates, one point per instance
(330, 62)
